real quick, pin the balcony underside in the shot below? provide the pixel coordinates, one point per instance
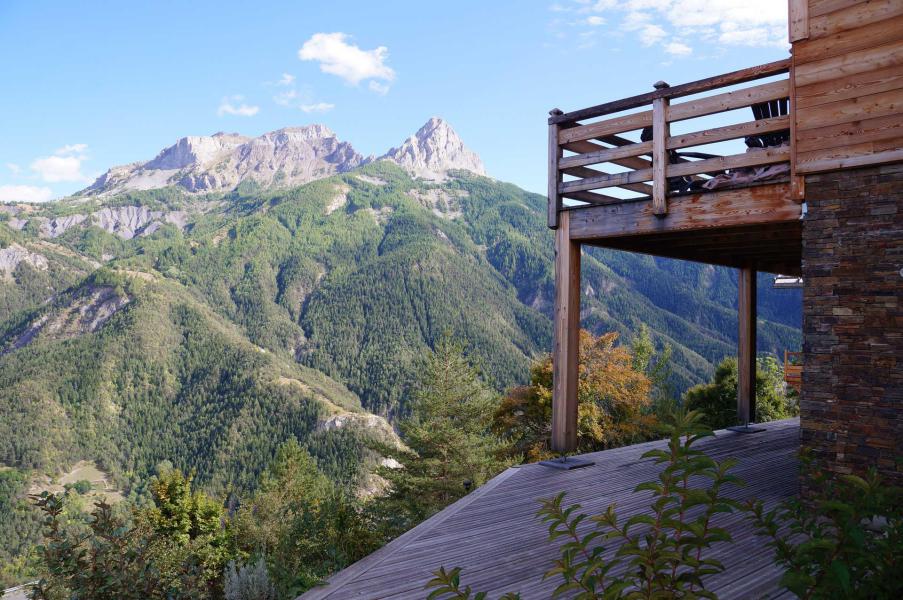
(755, 227)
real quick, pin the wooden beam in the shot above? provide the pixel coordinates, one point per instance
(595, 198)
(798, 21)
(604, 181)
(607, 155)
(764, 156)
(554, 175)
(567, 336)
(677, 91)
(726, 101)
(733, 208)
(660, 135)
(606, 127)
(746, 341)
(729, 132)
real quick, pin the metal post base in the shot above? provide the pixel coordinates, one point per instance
(567, 463)
(745, 429)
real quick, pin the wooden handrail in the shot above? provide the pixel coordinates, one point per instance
(677, 91)
(654, 166)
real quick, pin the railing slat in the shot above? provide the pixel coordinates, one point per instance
(729, 100)
(728, 132)
(609, 126)
(607, 155)
(617, 179)
(748, 159)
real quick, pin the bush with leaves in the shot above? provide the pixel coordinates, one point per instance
(845, 541)
(718, 398)
(176, 548)
(662, 553)
(249, 581)
(112, 560)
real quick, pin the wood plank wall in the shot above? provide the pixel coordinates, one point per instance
(848, 78)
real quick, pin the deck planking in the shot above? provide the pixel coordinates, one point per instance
(494, 536)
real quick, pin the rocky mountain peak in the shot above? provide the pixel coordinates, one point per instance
(281, 158)
(434, 150)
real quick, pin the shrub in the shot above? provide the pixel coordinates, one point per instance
(846, 541)
(249, 581)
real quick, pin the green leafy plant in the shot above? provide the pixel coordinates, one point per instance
(447, 585)
(845, 541)
(661, 553)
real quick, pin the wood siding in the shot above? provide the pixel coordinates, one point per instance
(848, 84)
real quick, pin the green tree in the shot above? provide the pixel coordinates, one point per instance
(451, 447)
(657, 367)
(718, 398)
(304, 525)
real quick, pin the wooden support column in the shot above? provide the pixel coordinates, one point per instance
(567, 335)
(660, 134)
(746, 355)
(555, 178)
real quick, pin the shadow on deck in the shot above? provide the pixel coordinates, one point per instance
(494, 536)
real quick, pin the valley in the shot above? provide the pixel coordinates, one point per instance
(201, 308)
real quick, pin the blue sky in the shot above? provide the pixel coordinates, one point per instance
(88, 85)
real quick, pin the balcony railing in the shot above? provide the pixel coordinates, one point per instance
(639, 155)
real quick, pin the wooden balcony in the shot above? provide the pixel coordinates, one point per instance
(621, 175)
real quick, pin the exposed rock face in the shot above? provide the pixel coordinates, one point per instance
(284, 157)
(58, 226)
(125, 221)
(84, 314)
(433, 151)
(443, 203)
(12, 255)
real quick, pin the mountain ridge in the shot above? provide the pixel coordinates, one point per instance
(282, 158)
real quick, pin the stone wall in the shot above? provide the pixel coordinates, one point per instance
(852, 395)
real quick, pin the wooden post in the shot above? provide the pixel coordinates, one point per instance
(554, 173)
(660, 133)
(746, 355)
(567, 335)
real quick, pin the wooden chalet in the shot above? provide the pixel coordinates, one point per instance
(803, 176)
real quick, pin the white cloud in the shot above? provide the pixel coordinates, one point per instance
(234, 105)
(64, 165)
(16, 169)
(651, 34)
(678, 49)
(595, 20)
(338, 57)
(712, 23)
(72, 150)
(286, 79)
(285, 98)
(319, 107)
(25, 193)
(380, 88)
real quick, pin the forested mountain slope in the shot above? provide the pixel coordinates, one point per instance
(143, 325)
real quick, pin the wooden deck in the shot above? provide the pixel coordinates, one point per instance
(501, 546)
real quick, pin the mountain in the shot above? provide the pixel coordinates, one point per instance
(282, 158)
(433, 151)
(203, 326)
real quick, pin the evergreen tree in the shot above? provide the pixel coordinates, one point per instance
(451, 447)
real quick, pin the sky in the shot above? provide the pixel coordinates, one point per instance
(88, 85)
